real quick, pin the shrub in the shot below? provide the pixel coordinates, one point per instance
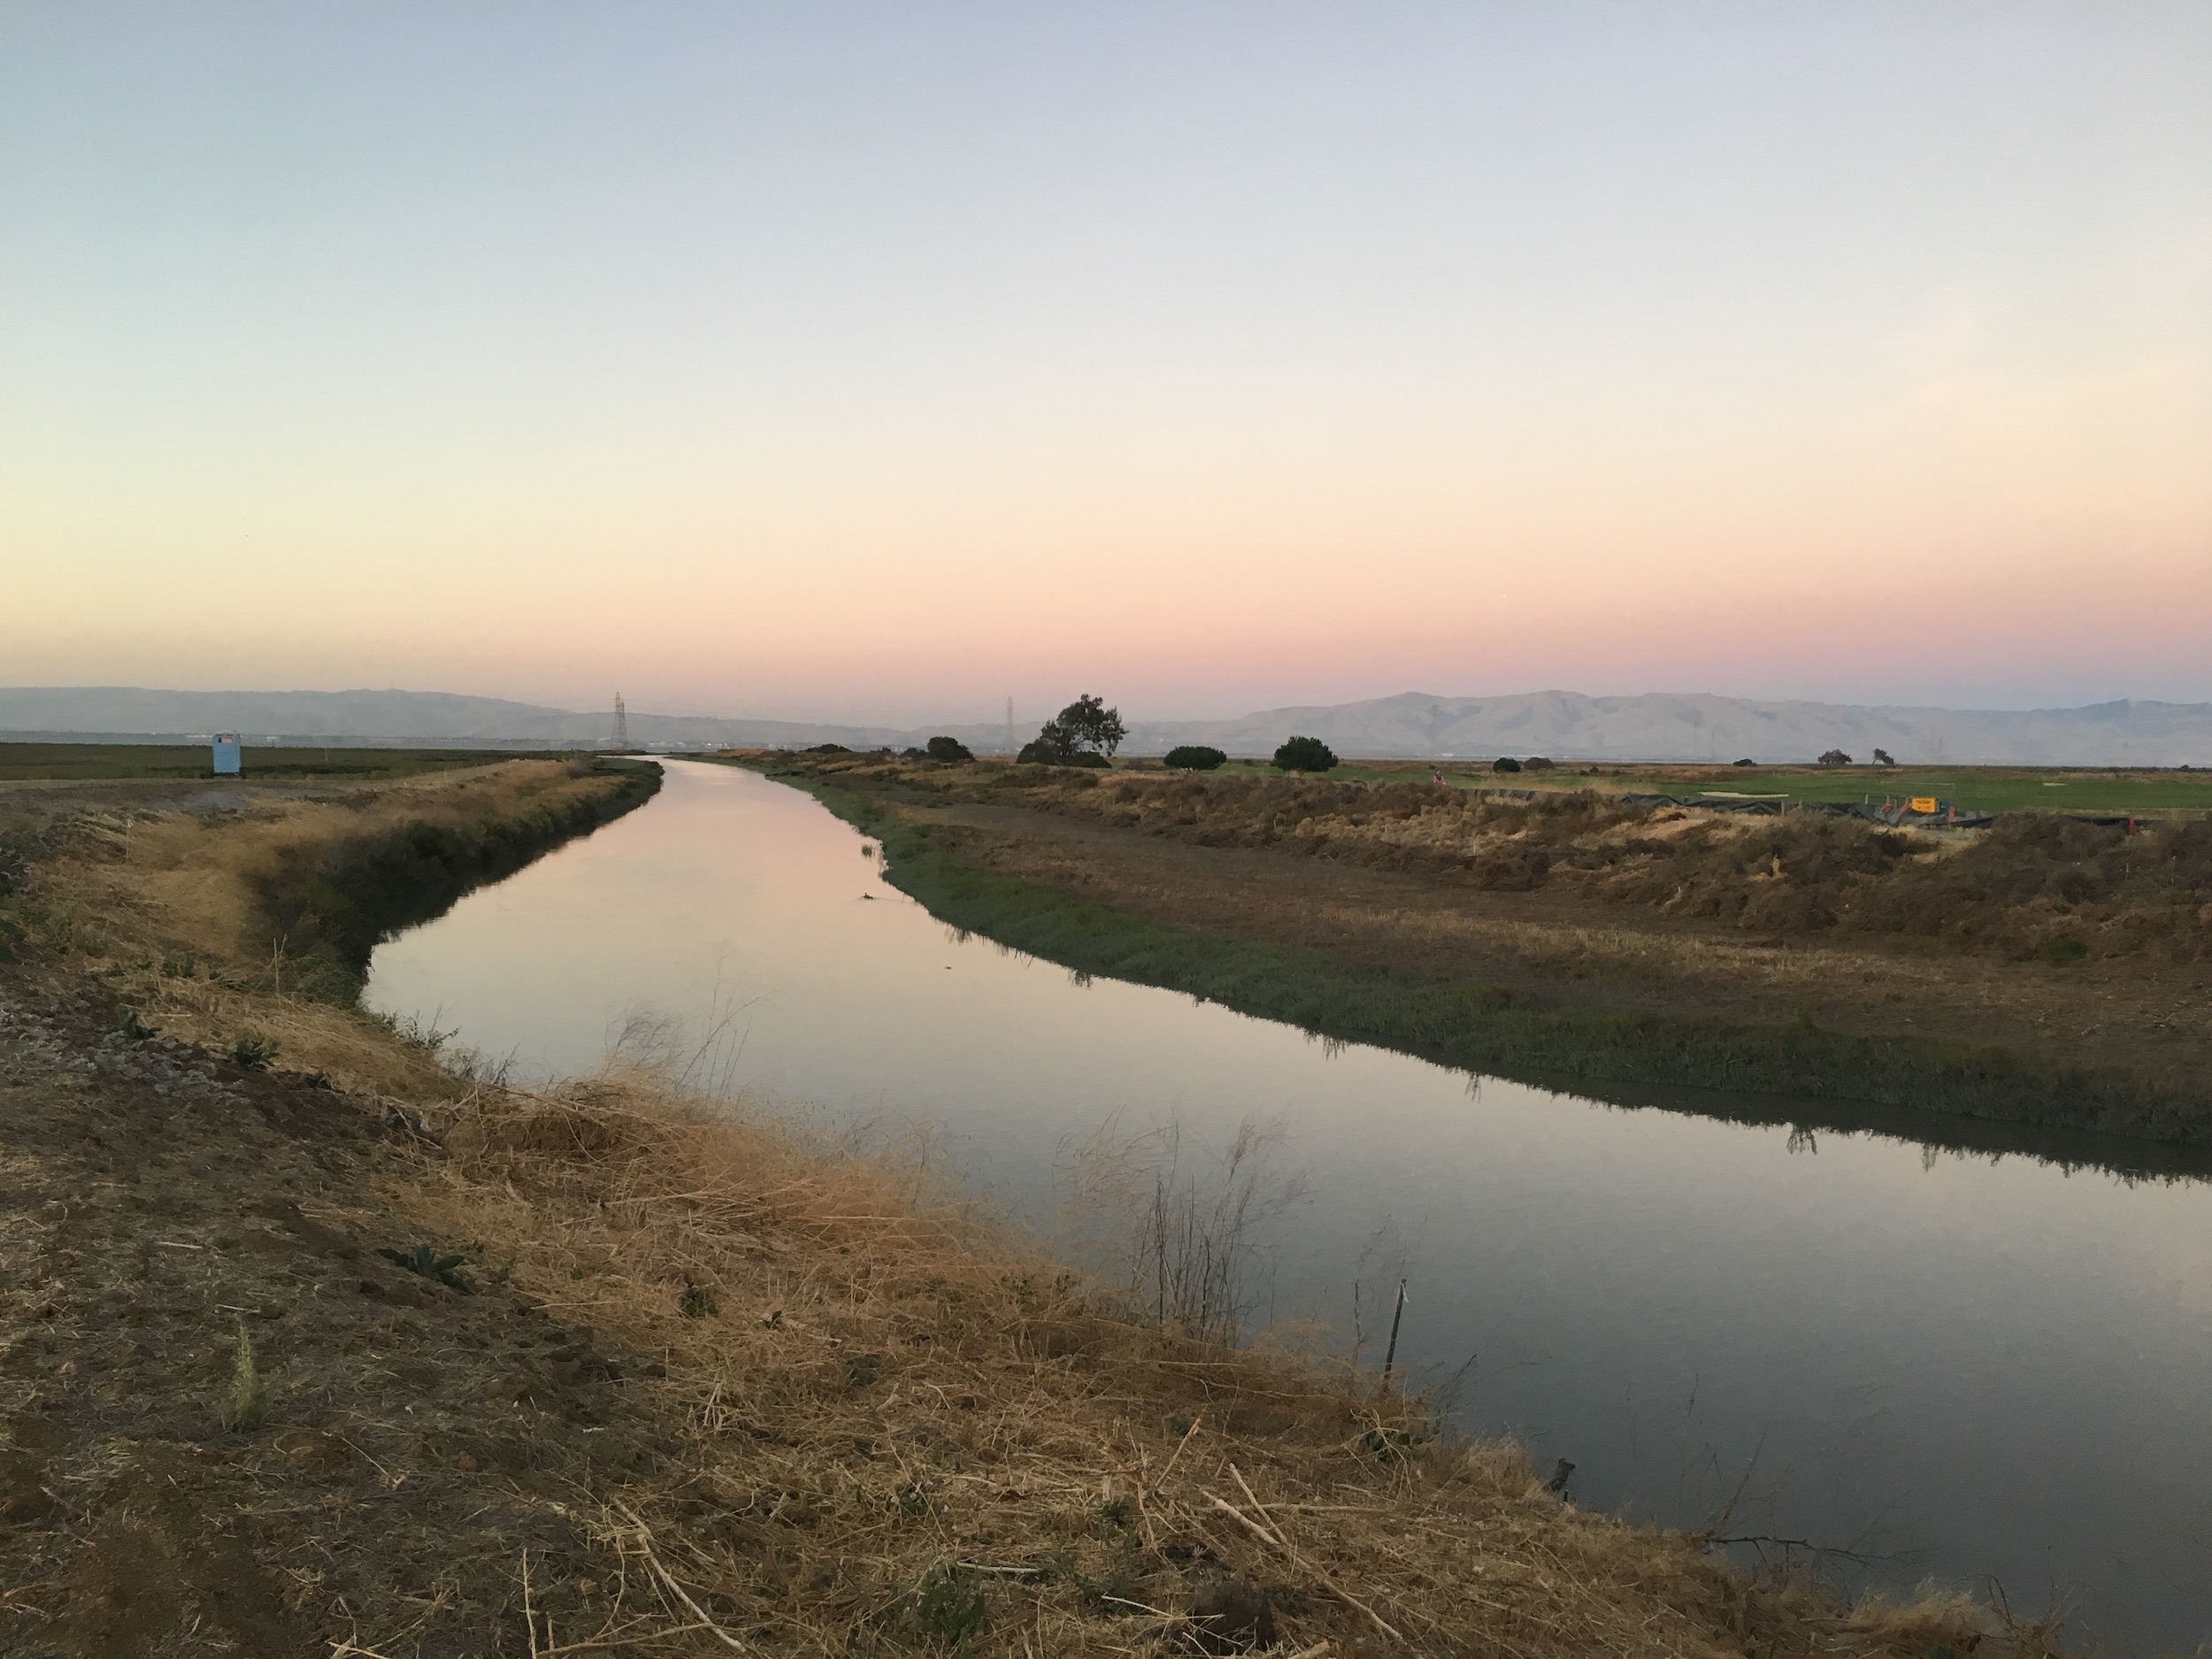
(1304, 754)
(1536, 763)
(1883, 757)
(1505, 763)
(950, 749)
(1746, 761)
(697, 1302)
(1195, 757)
(1835, 757)
(950, 1608)
(826, 748)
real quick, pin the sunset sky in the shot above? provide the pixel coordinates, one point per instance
(836, 361)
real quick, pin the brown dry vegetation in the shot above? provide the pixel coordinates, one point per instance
(2081, 952)
(186, 900)
(2032, 884)
(717, 1388)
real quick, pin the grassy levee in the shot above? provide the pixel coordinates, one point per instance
(258, 919)
(30, 762)
(329, 904)
(666, 1375)
(1488, 1028)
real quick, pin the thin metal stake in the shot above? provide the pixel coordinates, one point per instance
(1390, 1355)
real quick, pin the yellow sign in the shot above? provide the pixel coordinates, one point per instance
(1922, 803)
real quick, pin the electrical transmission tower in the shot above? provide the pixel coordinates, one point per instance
(621, 723)
(1010, 725)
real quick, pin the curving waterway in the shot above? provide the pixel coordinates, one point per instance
(1968, 1366)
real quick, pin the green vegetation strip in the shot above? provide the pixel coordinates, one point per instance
(1486, 1028)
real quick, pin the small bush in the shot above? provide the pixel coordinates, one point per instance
(1304, 754)
(1505, 763)
(697, 1302)
(1835, 757)
(250, 1053)
(948, 749)
(2064, 949)
(826, 748)
(1536, 763)
(949, 1608)
(1195, 757)
(1746, 761)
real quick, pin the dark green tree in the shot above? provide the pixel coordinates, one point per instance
(948, 749)
(1085, 733)
(1195, 757)
(1304, 754)
(1091, 725)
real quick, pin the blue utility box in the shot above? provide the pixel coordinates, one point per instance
(226, 754)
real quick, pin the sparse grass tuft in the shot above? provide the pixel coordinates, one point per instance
(424, 1262)
(950, 1609)
(247, 1402)
(697, 1302)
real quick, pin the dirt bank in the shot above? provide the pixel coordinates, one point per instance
(646, 1382)
(1933, 962)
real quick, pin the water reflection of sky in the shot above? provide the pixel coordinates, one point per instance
(1996, 1364)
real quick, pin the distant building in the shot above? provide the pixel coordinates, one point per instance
(226, 754)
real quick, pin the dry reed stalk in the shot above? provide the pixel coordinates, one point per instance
(893, 1394)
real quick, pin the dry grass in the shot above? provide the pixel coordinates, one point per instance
(2036, 885)
(171, 908)
(899, 1429)
(894, 1415)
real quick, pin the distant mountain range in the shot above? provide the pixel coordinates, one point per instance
(1564, 725)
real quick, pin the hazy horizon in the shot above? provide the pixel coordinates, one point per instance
(829, 363)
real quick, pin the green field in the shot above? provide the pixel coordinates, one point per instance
(22, 761)
(1970, 788)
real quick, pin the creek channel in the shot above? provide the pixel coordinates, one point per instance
(1989, 1369)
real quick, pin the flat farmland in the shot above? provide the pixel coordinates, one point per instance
(2097, 792)
(62, 762)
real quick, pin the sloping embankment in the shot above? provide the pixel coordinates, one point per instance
(1545, 1012)
(595, 1371)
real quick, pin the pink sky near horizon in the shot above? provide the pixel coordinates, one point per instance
(863, 364)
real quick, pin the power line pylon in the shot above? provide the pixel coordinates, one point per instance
(621, 723)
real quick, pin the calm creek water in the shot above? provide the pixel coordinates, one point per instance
(1955, 1365)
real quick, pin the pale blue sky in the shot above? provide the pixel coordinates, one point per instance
(842, 359)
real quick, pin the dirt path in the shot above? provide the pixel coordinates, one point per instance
(152, 1202)
(2152, 1020)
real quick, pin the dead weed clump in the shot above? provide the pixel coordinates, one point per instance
(904, 1431)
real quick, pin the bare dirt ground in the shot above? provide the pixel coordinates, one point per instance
(153, 1201)
(2150, 1017)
